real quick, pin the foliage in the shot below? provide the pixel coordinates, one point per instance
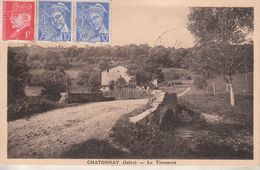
(147, 72)
(144, 141)
(219, 33)
(54, 82)
(171, 75)
(90, 78)
(240, 146)
(136, 56)
(219, 105)
(121, 83)
(160, 55)
(94, 82)
(247, 53)
(217, 60)
(83, 78)
(142, 77)
(28, 106)
(220, 24)
(199, 82)
(93, 148)
(104, 63)
(17, 75)
(223, 139)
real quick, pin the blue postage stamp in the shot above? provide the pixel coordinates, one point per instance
(54, 20)
(92, 21)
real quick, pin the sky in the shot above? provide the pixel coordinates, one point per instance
(141, 23)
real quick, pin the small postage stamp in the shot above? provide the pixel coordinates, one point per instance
(92, 21)
(18, 20)
(54, 20)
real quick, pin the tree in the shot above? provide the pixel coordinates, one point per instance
(223, 25)
(94, 81)
(83, 78)
(121, 83)
(104, 63)
(160, 55)
(17, 75)
(218, 33)
(54, 82)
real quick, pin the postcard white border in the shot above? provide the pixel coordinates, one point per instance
(184, 3)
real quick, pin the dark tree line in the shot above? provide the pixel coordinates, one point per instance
(145, 63)
(18, 76)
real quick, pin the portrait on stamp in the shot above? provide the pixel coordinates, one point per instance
(92, 22)
(18, 20)
(54, 21)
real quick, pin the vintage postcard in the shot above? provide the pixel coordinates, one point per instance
(54, 21)
(160, 83)
(18, 20)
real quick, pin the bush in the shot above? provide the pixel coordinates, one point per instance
(200, 83)
(94, 149)
(144, 141)
(17, 75)
(239, 147)
(54, 82)
(29, 106)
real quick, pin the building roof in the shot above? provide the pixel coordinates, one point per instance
(115, 66)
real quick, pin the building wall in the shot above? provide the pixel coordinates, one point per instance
(114, 74)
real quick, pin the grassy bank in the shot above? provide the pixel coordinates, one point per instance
(209, 128)
(28, 106)
(226, 132)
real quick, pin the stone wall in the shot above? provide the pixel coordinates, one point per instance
(165, 116)
(83, 97)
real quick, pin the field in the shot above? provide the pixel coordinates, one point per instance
(220, 84)
(239, 84)
(229, 129)
(208, 127)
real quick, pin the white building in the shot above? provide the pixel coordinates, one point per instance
(113, 74)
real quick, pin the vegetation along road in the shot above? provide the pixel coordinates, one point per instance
(48, 134)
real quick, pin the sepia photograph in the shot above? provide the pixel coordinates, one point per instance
(174, 83)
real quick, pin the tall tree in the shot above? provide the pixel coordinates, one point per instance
(218, 33)
(17, 75)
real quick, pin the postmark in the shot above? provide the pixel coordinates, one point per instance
(92, 21)
(18, 20)
(54, 20)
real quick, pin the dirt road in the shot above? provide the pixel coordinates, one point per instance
(46, 135)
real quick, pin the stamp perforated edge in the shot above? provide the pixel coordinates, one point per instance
(71, 23)
(109, 23)
(2, 23)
